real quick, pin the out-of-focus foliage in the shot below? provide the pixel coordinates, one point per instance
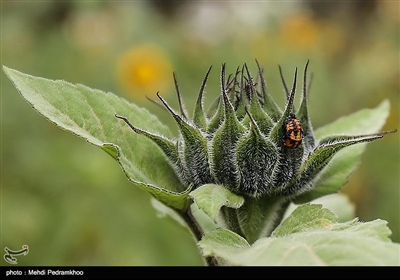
(71, 203)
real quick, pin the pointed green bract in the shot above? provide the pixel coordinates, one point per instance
(269, 106)
(319, 158)
(336, 174)
(289, 166)
(225, 169)
(261, 118)
(223, 146)
(217, 117)
(278, 132)
(257, 162)
(169, 148)
(183, 113)
(302, 115)
(285, 87)
(290, 159)
(195, 151)
(199, 117)
(240, 95)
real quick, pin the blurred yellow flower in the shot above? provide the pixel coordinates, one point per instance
(304, 32)
(144, 70)
(299, 30)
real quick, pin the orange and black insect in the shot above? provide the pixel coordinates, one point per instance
(293, 132)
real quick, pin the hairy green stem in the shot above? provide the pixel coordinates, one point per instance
(197, 232)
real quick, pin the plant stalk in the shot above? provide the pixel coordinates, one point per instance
(197, 233)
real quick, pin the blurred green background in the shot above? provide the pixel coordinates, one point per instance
(70, 202)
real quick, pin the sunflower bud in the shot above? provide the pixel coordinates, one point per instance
(246, 143)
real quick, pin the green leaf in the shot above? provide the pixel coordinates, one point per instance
(222, 240)
(210, 198)
(89, 113)
(179, 201)
(319, 248)
(304, 218)
(338, 203)
(309, 236)
(336, 174)
(361, 122)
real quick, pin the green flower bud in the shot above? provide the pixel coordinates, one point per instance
(246, 143)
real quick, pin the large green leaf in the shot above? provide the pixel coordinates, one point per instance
(311, 235)
(336, 174)
(368, 120)
(90, 114)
